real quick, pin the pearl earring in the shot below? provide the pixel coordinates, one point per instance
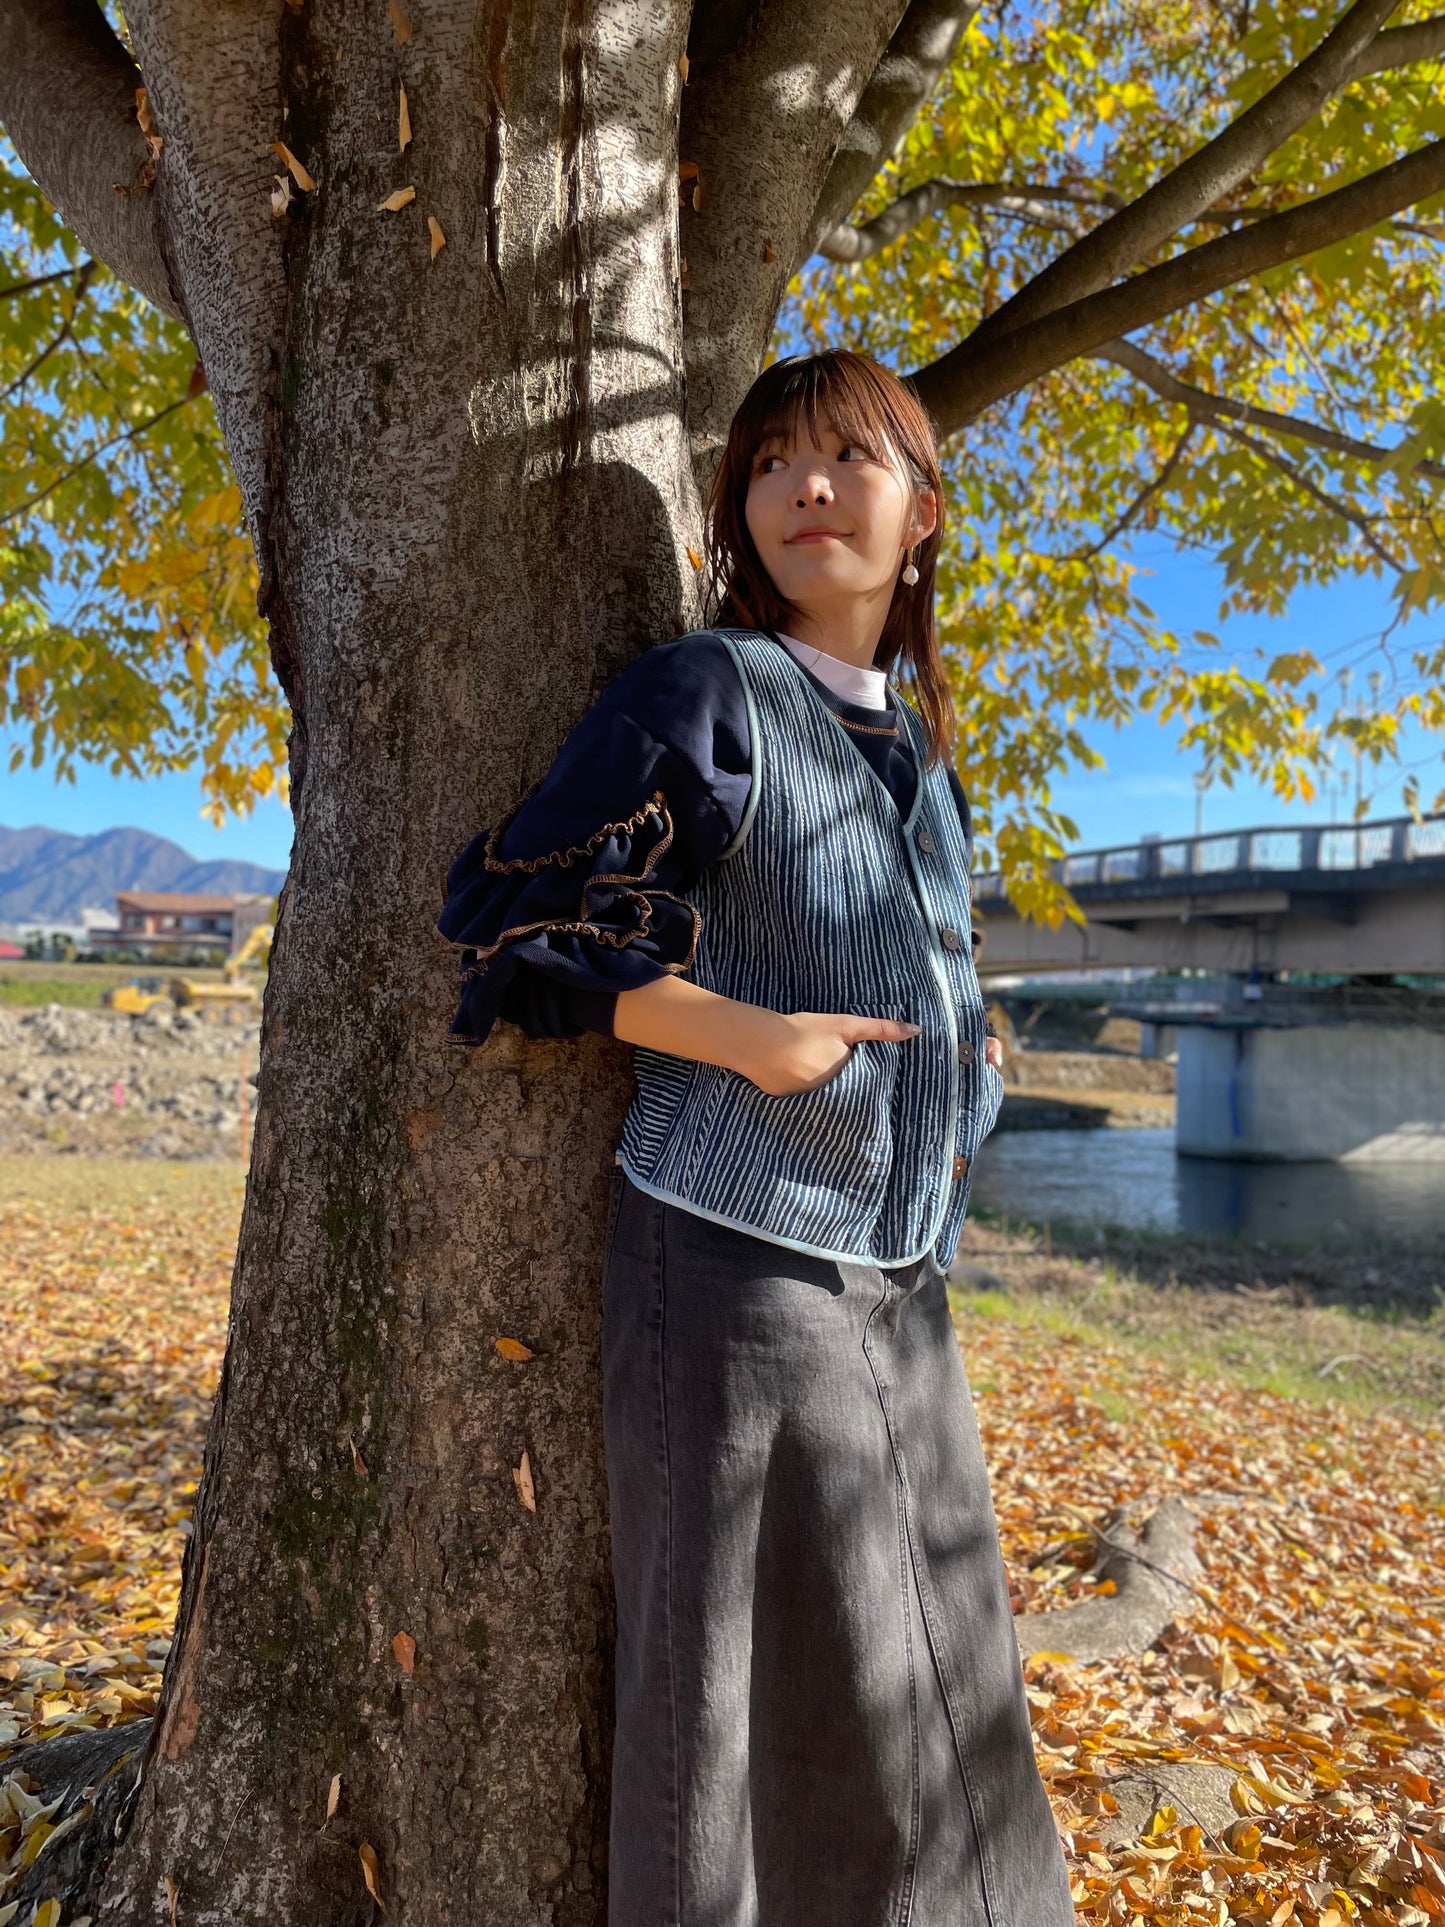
(910, 574)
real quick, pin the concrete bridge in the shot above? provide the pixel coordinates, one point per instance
(1368, 900)
(1269, 1069)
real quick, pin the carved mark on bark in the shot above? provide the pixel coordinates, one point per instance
(184, 1713)
(574, 234)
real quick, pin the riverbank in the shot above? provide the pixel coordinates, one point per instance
(1354, 1322)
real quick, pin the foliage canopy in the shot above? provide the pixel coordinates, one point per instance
(1285, 427)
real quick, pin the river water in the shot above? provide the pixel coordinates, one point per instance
(1135, 1178)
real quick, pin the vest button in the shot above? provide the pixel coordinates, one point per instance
(966, 1052)
(950, 938)
(960, 1169)
(925, 842)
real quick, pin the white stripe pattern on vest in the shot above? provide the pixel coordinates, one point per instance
(828, 901)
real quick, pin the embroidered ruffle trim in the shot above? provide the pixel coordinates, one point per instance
(630, 890)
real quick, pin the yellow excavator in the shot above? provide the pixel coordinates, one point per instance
(187, 993)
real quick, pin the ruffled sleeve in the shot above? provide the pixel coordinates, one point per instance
(576, 896)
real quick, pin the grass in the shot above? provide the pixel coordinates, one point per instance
(1371, 1358)
(77, 1183)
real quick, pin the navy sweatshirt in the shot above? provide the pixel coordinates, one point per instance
(576, 897)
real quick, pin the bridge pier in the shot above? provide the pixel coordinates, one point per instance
(1353, 1092)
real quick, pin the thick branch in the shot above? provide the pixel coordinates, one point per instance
(1204, 406)
(1402, 47)
(845, 243)
(67, 99)
(1200, 181)
(926, 39)
(984, 368)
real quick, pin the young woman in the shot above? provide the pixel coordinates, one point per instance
(750, 859)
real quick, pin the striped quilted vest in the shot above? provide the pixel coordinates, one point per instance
(827, 901)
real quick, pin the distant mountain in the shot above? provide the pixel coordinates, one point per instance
(48, 874)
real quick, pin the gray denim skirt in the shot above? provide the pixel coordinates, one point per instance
(821, 1718)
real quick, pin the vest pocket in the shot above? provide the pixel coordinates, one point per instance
(814, 1163)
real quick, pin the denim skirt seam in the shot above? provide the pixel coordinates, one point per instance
(659, 1224)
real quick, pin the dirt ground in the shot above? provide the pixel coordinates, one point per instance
(96, 1083)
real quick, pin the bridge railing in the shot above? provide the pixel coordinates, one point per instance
(1358, 846)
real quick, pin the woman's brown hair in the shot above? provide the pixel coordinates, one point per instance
(865, 403)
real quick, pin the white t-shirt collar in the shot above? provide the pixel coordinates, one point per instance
(868, 688)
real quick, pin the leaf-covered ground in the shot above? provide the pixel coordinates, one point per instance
(1314, 1670)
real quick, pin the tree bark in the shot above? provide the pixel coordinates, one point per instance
(471, 487)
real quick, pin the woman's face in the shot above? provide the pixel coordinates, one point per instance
(830, 521)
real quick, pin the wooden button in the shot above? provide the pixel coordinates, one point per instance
(960, 1169)
(925, 842)
(950, 938)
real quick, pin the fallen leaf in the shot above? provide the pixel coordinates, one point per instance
(371, 1873)
(699, 197)
(333, 1796)
(403, 125)
(514, 1349)
(281, 194)
(358, 1464)
(400, 21)
(47, 1914)
(173, 1895)
(438, 239)
(682, 274)
(687, 170)
(522, 1479)
(403, 197)
(682, 65)
(404, 1646)
(770, 253)
(693, 557)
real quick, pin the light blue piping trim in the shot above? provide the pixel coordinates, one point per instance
(755, 748)
(788, 1244)
(940, 972)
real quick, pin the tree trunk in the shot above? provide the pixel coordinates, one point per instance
(473, 511)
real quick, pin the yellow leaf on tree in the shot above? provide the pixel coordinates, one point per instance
(514, 1349)
(298, 173)
(400, 21)
(371, 1872)
(522, 1479)
(403, 197)
(403, 125)
(438, 239)
(404, 1646)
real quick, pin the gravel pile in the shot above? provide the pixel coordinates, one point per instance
(100, 1083)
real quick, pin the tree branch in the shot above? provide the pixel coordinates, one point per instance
(1125, 519)
(126, 435)
(43, 280)
(984, 368)
(845, 243)
(1204, 406)
(761, 119)
(67, 99)
(1117, 245)
(61, 336)
(1297, 477)
(925, 41)
(1402, 47)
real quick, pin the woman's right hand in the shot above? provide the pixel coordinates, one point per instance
(798, 1052)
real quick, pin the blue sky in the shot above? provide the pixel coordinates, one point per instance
(1147, 785)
